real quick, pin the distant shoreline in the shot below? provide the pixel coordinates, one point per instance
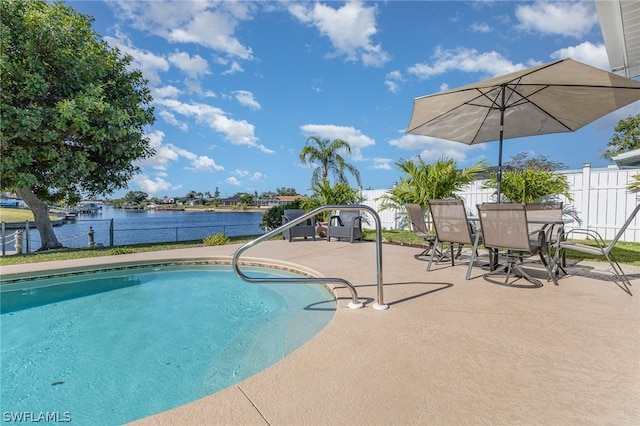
(219, 210)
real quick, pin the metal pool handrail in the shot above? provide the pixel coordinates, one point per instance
(355, 303)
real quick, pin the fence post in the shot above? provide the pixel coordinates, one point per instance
(4, 243)
(91, 240)
(586, 192)
(27, 237)
(18, 235)
(111, 233)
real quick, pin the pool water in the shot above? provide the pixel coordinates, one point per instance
(109, 348)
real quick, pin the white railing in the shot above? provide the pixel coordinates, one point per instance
(600, 198)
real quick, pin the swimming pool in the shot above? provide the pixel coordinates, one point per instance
(119, 345)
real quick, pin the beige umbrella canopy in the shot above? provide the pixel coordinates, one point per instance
(560, 96)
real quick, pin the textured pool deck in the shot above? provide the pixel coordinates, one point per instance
(446, 352)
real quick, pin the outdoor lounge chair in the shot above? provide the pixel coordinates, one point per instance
(452, 226)
(601, 250)
(505, 227)
(346, 224)
(304, 229)
(419, 227)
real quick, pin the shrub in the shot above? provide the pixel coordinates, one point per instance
(218, 239)
(272, 218)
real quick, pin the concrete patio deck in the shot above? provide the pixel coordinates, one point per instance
(446, 352)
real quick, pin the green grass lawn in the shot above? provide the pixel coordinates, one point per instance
(10, 214)
(627, 253)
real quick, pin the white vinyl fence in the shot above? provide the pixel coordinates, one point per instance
(600, 199)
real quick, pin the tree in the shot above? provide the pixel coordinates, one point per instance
(530, 185)
(522, 161)
(626, 137)
(135, 197)
(422, 182)
(272, 218)
(286, 191)
(246, 199)
(72, 114)
(324, 194)
(326, 153)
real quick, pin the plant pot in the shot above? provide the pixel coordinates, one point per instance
(321, 229)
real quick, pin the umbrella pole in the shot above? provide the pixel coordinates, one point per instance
(500, 146)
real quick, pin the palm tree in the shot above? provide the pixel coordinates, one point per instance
(634, 185)
(530, 185)
(422, 182)
(324, 194)
(326, 153)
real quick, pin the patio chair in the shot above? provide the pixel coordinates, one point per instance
(505, 227)
(601, 250)
(304, 229)
(547, 217)
(346, 224)
(419, 227)
(452, 226)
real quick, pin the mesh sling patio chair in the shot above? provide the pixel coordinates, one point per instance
(547, 217)
(452, 226)
(505, 227)
(346, 224)
(304, 229)
(602, 248)
(419, 227)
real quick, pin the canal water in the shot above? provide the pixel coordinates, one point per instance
(122, 226)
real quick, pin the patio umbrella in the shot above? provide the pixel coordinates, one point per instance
(560, 96)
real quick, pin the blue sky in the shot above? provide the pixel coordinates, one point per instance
(239, 86)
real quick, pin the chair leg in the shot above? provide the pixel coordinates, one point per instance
(511, 264)
(474, 253)
(433, 252)
(617, 270)
(552, 276)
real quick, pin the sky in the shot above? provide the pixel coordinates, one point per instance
(239, 86)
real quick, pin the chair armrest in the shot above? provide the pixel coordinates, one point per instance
(332, 218)
(356, 219)
(588, 232)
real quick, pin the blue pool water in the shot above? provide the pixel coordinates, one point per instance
(112, 347)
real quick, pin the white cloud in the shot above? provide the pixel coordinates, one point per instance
(238, 132)
(171, 119)
(241, 173)
(467, 60)
(246, 98)
(349, 28)
(392, 79)
(588, 53)
(209, 24)
(431, 149)
(480, 27)
(153, 186)
(257, 176)
(166, 153)
(149, 63)
(194, 67)
(382, 164)
(165, 92)
(234, 68)
(233, 181)
(204, 164)
(567, 18)
(354, 137)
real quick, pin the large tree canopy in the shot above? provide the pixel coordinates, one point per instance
(72, 114)
(626, 137)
